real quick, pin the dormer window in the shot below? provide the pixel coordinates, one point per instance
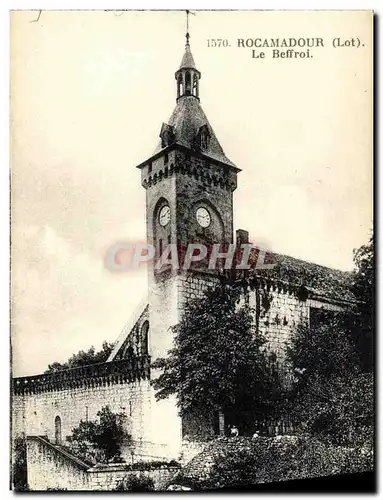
(204, 140)
(203, 137)
(167, 135)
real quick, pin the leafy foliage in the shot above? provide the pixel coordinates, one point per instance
(331, 396)
(363, 288)
(363, 276)
(133, 482)
(242, 461)
(83, 358)
(19, 477)
(99, 441)
(217, 363)
(325, 348)
(333, 392)
(154, 464)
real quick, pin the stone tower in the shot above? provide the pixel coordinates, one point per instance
(189, 185)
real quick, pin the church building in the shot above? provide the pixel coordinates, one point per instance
(189, 183)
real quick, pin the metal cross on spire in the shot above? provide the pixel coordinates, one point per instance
(187, 25)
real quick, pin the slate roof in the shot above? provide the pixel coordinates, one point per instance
(186, 119)
(187, 60)
(320, 280)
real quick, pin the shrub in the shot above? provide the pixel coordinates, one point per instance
(155, 464)
(281, 458)
(133, 482)
(19, 478)
(99, 441)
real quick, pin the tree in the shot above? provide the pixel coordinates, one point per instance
(331, 397)
(324, 348)
(20, 476)
(363, 288)
(106, 435)
(217, 363)
(332, 363)
(83, 358)
(134, 482)
(363, 276)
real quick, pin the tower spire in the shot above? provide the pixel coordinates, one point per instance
(187, 28)
(187, 75)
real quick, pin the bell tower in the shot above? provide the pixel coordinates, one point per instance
(189, 185)
(188, 75)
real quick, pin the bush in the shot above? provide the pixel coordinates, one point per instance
(133, 482)
(330, 396)
(99, 441)
(155, 464)
(20, 480)
(339, 410)
(281, 458)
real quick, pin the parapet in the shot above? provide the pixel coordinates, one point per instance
(115, 372)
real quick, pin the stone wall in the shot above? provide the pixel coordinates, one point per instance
(280, 314)
(35, 414)
(49, 467)
(190, 449)
(193, 285)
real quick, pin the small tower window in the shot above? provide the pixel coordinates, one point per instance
(195, 85)
(187, 83)
(166, 158)
(149, 167)
(180, 89)
(203, 137)
(167, 135)
(203, 141)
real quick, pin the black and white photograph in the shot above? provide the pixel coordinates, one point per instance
(192, 251)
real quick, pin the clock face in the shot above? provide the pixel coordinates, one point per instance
(203, 217)
(164, 215)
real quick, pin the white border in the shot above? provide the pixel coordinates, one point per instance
(8, 5)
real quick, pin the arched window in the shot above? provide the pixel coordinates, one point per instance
(144, 338)
(129, 350)
(180, 89)
(187, 83)
(58, 437)
(203, 137)
(195, 85)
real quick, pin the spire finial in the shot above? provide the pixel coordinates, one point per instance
(187, 27)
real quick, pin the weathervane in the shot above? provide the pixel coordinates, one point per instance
(187, 26)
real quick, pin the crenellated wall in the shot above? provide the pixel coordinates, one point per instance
(78, 394)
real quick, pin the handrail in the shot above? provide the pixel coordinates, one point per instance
(80, 463)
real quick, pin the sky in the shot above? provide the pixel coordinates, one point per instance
(89, 93)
